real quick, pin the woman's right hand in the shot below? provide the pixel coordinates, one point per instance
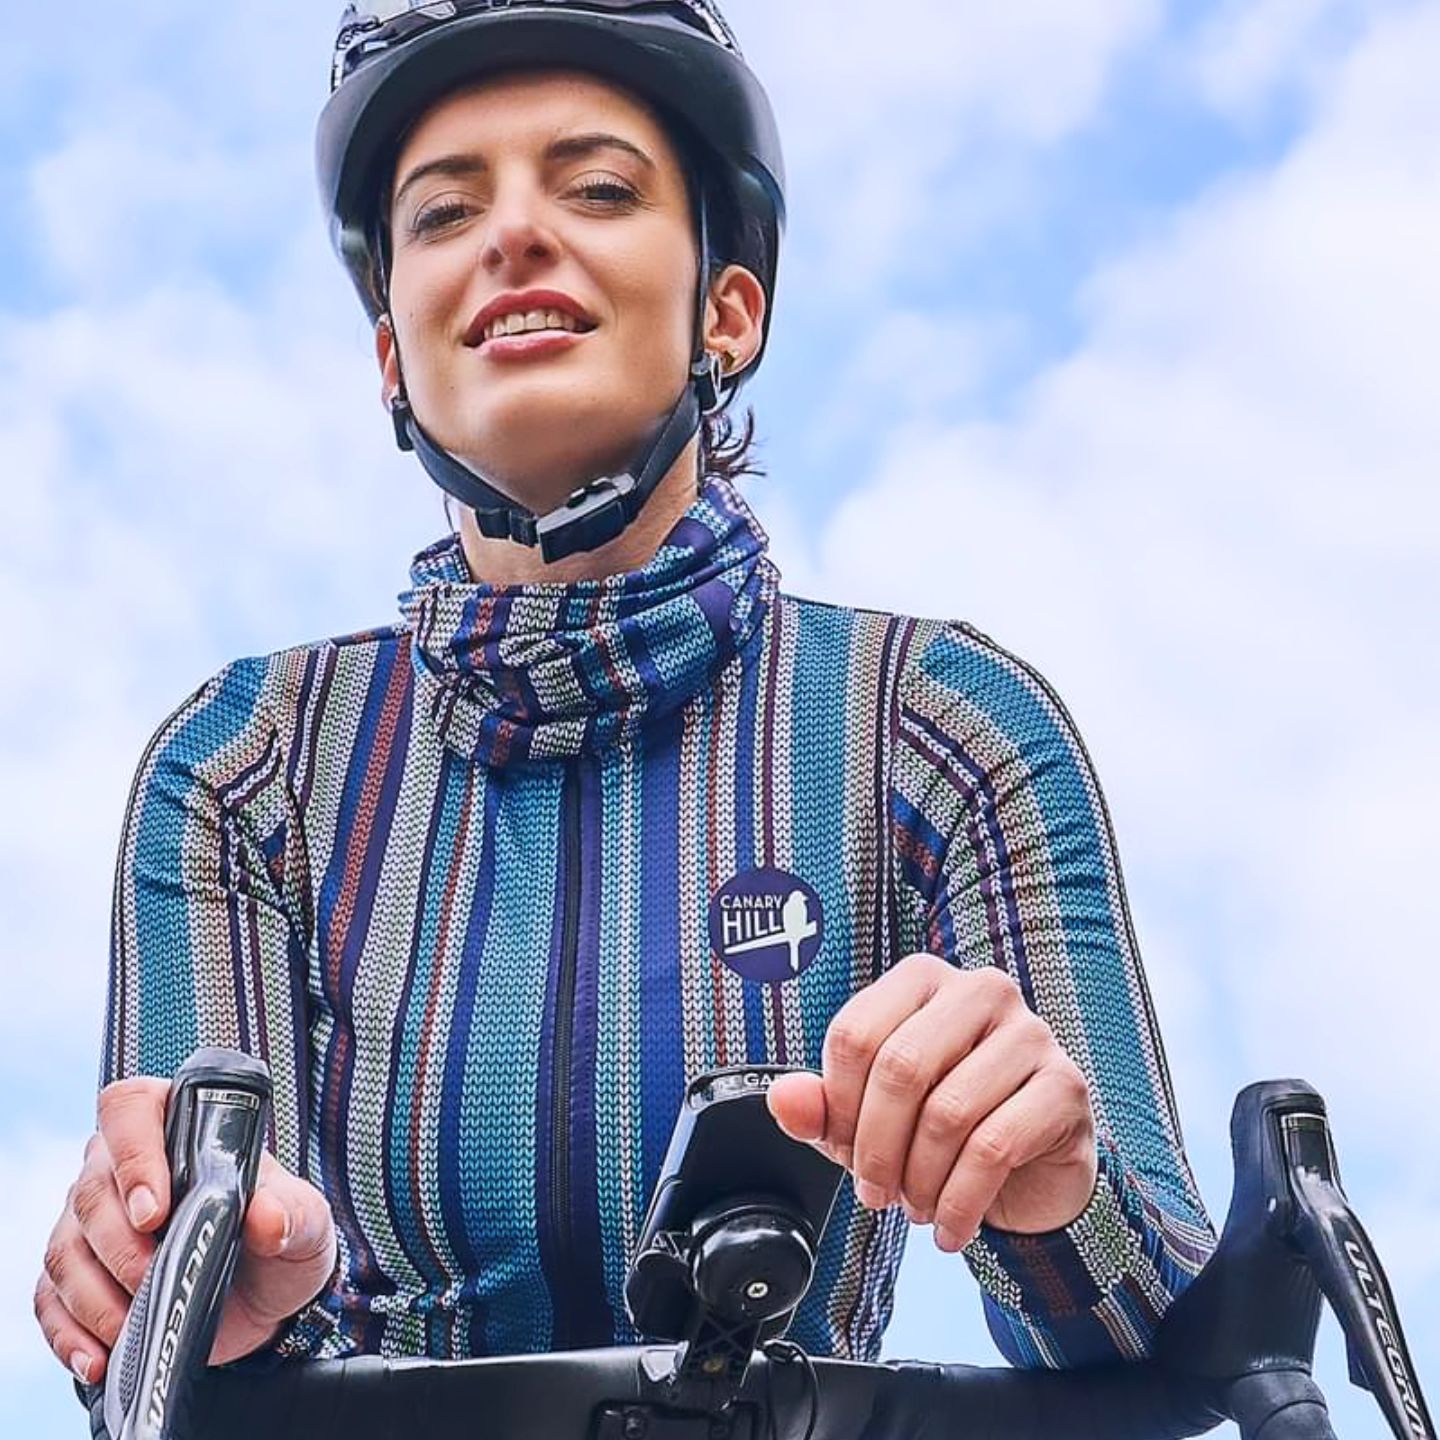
(101, 1245)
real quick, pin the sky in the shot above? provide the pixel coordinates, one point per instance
(1111, 326)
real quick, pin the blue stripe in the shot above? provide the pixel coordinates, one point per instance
(661, 1077)
(592, 1323)
(1077, 841)
(505, 1126)
(162, 907)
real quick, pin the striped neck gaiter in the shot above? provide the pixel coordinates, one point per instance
(511, 674)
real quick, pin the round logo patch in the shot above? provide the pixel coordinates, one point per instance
(766, 925)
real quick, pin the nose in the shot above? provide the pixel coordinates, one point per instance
(517, 237)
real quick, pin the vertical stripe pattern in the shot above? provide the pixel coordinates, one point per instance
(453, 881)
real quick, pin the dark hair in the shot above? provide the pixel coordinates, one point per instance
(736, 238)
(727, 449)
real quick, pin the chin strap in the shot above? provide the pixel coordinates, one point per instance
(600, 509)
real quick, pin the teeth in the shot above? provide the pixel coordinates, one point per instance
(518, 324)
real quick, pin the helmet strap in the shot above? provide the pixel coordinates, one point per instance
(601, 509)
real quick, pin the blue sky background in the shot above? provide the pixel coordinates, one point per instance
(1109, 325)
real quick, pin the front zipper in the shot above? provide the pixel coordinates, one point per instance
(565, 1022)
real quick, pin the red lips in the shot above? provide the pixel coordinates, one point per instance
(521, 302)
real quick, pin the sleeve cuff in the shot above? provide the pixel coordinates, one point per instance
(305, 1334)
(1066, 1272)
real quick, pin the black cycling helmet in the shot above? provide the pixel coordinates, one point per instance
(395, 58)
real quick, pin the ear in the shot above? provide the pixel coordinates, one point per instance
(735, 317)
(387, 353)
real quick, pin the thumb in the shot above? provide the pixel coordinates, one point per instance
(798, 1104)
(289, 1220)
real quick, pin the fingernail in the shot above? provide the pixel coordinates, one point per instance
(142, 1205)
(947, 1240)
(872, 1197)
(911, 1213)
(80, 1366)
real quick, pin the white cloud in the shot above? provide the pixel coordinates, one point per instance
(1249, 53)
(928, 110)
(1217, 525)
(846, 75)
(151, 194)
(190, 475)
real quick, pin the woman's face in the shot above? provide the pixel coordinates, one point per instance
(544, 276)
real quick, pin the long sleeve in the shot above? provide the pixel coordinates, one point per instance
(212, 911)
(208, 935)
(1006, 856)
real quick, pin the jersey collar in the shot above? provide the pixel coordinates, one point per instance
(510, 674)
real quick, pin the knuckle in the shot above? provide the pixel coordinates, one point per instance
(115, 1099)
(991, 1148)
(847, 1044)
(88, 1196)
(951, 1215)
(56, 1263)
(877, 1167)
(109, 1325)
(129, 1266)
(928, 973)
(999, 987)
(899, 1067)
(947, 1113)
(128, 1109)
(50, 1316)
(923, 963)
(1072, 1083)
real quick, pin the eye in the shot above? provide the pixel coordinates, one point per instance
(607, 191)
(439, 215)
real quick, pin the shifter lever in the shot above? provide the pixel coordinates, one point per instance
(214, 1133)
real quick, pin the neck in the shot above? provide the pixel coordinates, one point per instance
(503, 562)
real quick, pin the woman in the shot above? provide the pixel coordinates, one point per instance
(607, 808)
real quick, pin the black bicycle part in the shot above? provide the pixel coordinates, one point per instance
(1236, 1345)
(1290, 1235)
(215, 1123)
(728, 1247)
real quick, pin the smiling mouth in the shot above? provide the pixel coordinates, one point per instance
(534, 322)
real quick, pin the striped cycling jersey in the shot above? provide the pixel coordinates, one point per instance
(486, 888)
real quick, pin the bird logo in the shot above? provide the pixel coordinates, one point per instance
(796, 927)
(767, 925)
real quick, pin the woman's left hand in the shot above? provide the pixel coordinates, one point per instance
(941, 1090)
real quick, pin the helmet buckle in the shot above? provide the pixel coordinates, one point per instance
(400, 417)
(708, 374)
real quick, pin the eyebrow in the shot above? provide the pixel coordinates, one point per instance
(570, 147)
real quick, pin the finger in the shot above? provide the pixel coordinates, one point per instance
(75, 1348)
(287, 1259)
(800, 1112)
(1003, 1062)
(1028, 1125)
(267, 1221)
(856, 1034)
(100, 1216)
(84, 1287)
(911, 1062)
(797, 1103)
(288, 1217)
(132, 1122)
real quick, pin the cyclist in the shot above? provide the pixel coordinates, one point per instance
(606, 807)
